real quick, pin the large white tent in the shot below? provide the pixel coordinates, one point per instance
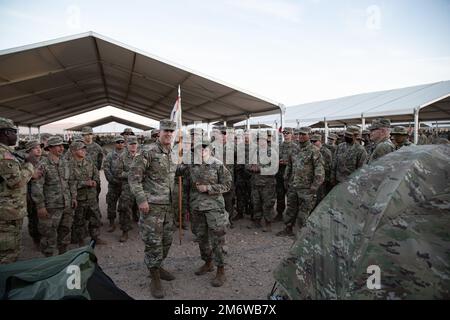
(427, 102)
(53, 80)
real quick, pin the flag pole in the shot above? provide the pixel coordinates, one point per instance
(180, 179)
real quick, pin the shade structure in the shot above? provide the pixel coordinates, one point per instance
(49, 81)
(106, 120)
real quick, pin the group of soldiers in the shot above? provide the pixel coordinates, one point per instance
(60, 190)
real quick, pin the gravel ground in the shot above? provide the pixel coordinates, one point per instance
(251, 258)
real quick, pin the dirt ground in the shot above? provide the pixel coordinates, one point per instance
(251, 257)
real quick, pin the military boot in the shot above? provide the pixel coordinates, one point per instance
(207, 267)
(286, 232)
(124, 236)
(220, 278)
(166, 275)
(112, 225)
(155, 284)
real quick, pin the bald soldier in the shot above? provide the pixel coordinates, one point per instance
(14, 176)
(380, 132)
(151, 179)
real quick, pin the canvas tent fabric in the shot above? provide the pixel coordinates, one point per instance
(432, 100)
(53, 80)
(106, 120)
(393, 213)
(48, 278)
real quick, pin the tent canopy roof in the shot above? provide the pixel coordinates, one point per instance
(53, 80)
(433, 101)
(105, 120)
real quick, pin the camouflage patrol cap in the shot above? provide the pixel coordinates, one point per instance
(352, 130)
(332, 136)
(304, 130)
(155, 132)
(296, 131)
(33, 144)
(54, 141)
(7, 124)
(87, 130)
(78, 138)
(77, 145)
(167, 124)
(288, 130)
(127, 131)
(316, 137)
(132, 140)
(380, 123)
(119, 138)
(399, 130)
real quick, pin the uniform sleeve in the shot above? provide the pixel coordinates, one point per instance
(135, 176)
(107, 168)
(224, 182)
(73, 182)
(37, 190)
(14, 174)
(362, 158)
(95, 175)
(287, 173)
(319, 171)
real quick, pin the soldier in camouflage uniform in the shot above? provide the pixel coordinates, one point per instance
(401, 137)
(422, 138)
(111, 170)
(127, 201)
(34, 149)
(303, 177)
(53, 200)
(284, 151)
(263, 185)
(83, 182)
(331, 143)
(380, 134)
(368, 145)
(243, 186)
(327, 159)
(93, 151)
(126, 133)
(296, 136)
(208, 181)
(14, 176)
(151, 181)
(350, 156)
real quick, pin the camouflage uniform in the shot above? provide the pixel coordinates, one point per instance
(243, 187)
(14, 176)
(127, 201)
(51, 191)
(95, 152)
(209, 217)
(111, 169)
(384, 146)
(304, 175)
(285, 149)
(327, 159)
(151, 179)
(263, 190)
(400, 130)
(87, 213)
(349, 158)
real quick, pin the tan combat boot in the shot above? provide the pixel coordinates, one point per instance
(124, 236)
(112, 225)
(166, 275)
(207, 267)
(220, 278)
(155, 284)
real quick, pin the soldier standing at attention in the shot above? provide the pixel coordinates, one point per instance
(349, 157)
(127, 201)
(401, 137)
(34, 150)
(151, 180)
(110, 168)
(380, 133)
(303, 177)
(284, 151)
(83, 182)
(208, 181)
(327, 159)
(93, 151)
(52, 197)
(14, 176)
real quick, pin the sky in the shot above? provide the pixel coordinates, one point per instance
(289, 51)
